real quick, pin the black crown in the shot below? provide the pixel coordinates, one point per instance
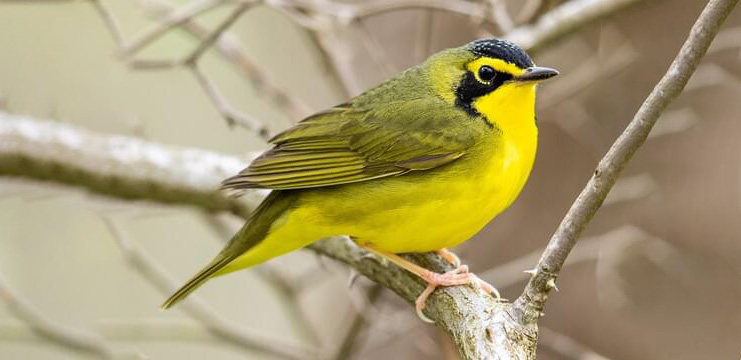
(501, 49)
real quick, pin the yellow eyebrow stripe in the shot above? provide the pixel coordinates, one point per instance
(496, 64)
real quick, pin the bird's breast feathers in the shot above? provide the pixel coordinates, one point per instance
(425, 213)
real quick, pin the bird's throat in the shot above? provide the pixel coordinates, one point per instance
(510, 109)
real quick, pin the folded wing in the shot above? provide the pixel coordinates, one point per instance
(346, 145)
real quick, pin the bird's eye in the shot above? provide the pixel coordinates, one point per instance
(486, 73)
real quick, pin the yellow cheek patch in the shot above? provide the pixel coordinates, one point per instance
(496, 64)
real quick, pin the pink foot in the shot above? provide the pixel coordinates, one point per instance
(458, 276)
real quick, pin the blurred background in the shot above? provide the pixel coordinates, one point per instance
(657, 275)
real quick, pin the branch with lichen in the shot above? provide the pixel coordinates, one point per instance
(479, 326)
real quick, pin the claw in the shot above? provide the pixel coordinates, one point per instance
(419, 304)
(488, 288)
(457, 276)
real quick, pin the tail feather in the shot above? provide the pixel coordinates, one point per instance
(196, 281)
(251, 234)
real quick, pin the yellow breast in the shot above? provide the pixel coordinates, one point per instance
(497, 173)
(429, 211)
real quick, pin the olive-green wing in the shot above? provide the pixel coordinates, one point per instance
(346, 145)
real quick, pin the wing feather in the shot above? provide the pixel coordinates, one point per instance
(346, 145)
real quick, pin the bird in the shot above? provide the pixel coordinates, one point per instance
(419, 163)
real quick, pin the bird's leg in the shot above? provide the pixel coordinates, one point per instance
(453, 259)
(457, 276)
(449, 257)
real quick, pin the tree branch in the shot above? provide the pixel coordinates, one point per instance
(57, 333)
(564, 20)
(480, 327)
(127, 167)
(533, 299)
(116, 166)
(200, 311)
(229, 46)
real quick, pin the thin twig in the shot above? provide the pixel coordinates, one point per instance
(500, 16)
(517, 270)
(118, 166)
(229, 46)
(566, 346)
(176, 19)
(284, 286)
(55, 332)
(563, 20)
(110, 22)
(533, 299)
(216, 33)
(359, 323)
(590, 71)
(231, 115)
(199, 310)
(528, 11)
(375, 50)
(368, 9)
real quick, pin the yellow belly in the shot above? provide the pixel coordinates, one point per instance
(420, 211)
(412, 213)
(416, 213)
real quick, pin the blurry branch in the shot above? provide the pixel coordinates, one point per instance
(376, 51)
(196, 308)
(564, 20)
(324, 21)
(289, 292)
(229, 46)
(528, 11)
(480, 327)
(466, 313)
(612, 285)
(566, 346)
(352, 12)
(127, 167)
(630, 188)
(530, 304)
(57, 333)
(110, 22)
(727, 39)
(115, 330)
(358, 325)
(118, 166)
(590, 71)
(709, 75)
(497, 11)
(178, 17)
(675, 121)
(589, 249)
(229, 113)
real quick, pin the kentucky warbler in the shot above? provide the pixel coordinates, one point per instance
(419, 163)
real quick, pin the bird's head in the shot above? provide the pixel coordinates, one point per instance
(486, 76)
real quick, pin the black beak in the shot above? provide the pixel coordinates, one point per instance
(536, 73)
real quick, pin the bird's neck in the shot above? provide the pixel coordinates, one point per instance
(511, 109)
